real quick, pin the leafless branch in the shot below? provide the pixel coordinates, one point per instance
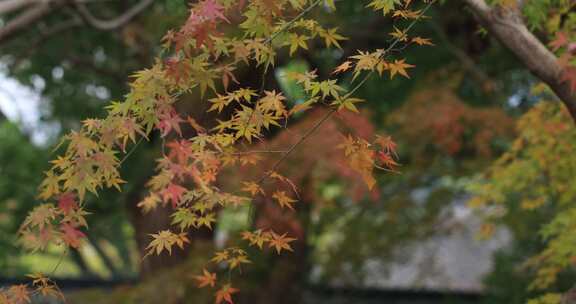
(107, 25)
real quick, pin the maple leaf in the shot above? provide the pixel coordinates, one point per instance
(173, 193)
(280, 242)
(184, 218)
(422, 41)
(149, 203)
(559, 41)
(283, 199)
(407, 14)
(164, 240)
(345, 66)
(206, 279)
(220, 256)
(257, 238)
(360, 158)
(19, 294)
(49, 186)
(399, 67)
(169, 120)
(347, 103)
(385, 5)
(296, 41)
(225, 294)
(219, 102)
(227, 75)
(273, 101)
(67, 202)
(71, 236)
(180, 150)
(206, 220)
(211, 9)
(368, 62)
(387, 143)
(41, 216)
(238, 260)
(331, 37)
(400, 35)
(387, 161)
(252, 188)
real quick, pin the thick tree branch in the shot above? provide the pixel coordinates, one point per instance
(107, 25)
(7, 6)
(26, 19)
(507, 26)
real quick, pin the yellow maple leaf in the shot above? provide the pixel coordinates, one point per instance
(284, 200)
(399, 67)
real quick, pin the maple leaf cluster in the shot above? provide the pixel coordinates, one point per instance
(23, 293)
(204, 59)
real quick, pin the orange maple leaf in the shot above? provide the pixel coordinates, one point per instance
(225, 294)
(252, 188)
(280, 242)
(206, 279)
(422, 41)
(342, 68)
(283, 199)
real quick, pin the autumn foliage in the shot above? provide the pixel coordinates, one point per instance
(202, 58)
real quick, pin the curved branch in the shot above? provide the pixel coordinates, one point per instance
(507, 26)
(108, 25)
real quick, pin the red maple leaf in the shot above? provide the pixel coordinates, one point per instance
(225, 294)
(169, 120)
(180, 150)
(67, 202)
(558, 42)
(173, 193)
(212, 10)
(71, 236)
(176, 69)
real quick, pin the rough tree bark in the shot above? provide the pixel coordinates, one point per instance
(507, 25)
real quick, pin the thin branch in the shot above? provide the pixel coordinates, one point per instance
(291, 22)
(261, 152)
(111, 24)
(332, 111)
